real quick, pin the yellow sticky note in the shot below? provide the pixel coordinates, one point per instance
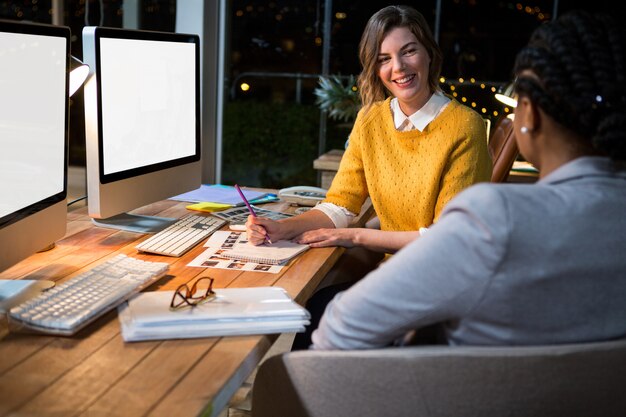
(209, 207)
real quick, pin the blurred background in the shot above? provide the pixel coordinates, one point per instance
(271, 124)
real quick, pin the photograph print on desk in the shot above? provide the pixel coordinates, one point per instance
(223, 248)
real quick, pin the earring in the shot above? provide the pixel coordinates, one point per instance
(524, 130)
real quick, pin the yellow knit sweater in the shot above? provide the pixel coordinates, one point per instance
(410, 176)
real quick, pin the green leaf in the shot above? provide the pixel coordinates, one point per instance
(341, 100)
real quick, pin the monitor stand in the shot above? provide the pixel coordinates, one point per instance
(135, 223)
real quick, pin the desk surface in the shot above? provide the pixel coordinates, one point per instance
(96, 373)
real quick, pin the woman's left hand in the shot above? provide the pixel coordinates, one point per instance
(329, 237)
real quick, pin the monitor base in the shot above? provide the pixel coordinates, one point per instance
(135, 223)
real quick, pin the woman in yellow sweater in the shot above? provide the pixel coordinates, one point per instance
(411, 150)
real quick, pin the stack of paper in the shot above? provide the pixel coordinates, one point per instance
(221, 194)
(235, 311)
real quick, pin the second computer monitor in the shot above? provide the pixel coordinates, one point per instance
(142, 118)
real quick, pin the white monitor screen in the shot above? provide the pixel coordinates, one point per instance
(148, 105)
(32, 120)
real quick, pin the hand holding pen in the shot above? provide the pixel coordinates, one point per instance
(245, 200)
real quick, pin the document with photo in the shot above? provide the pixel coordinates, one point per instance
(225, 240)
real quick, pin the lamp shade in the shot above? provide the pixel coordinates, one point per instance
(506, 95)
(78, 74)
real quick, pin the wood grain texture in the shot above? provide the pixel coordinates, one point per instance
(95, 373)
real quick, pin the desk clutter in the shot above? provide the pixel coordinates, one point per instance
(227, 250)
(232, 312)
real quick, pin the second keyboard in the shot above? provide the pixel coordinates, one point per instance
(180, 237)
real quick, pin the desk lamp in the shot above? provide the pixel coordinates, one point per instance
(78, 73)
(505, 95)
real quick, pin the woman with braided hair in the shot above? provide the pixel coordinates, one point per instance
(520, 264)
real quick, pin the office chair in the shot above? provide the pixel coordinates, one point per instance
(574, 380)
(502, 149)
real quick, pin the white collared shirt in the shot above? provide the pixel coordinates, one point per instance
(421, 118)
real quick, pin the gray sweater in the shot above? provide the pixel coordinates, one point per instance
(505, 265)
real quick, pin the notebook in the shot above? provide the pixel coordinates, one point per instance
(235, 311)
(272, 254)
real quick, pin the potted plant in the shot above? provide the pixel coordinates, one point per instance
(339, 98)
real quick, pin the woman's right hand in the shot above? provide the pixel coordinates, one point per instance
(257, 228)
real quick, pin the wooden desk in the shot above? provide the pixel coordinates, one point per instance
(96, 373)
(522, 177)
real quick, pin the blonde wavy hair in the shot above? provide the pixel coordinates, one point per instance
(371, 88)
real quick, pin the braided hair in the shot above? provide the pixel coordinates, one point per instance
(580, 64)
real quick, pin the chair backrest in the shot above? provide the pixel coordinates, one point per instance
(577, 380)
(503, 149)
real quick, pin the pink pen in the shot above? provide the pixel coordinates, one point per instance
(245, 200)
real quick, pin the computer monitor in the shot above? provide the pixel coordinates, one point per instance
(34, 63)
(142, 122)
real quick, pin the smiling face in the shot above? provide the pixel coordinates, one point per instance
(403, 65)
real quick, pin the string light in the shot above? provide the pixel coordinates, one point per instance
(533, 11)
(483, 102)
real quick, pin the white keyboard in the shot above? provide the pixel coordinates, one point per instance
(69, 307)
(181, 236)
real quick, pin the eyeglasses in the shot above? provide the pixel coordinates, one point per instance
(184, 296)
